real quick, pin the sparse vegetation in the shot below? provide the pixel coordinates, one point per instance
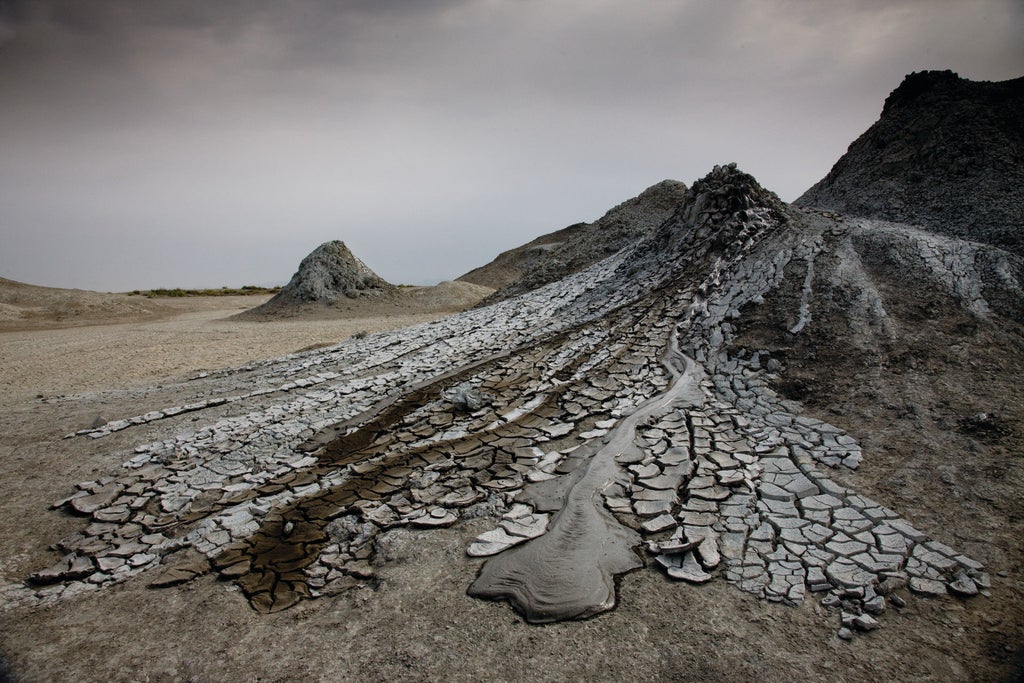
(223, 291)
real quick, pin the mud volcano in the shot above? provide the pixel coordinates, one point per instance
(946, 152)
(328, 275)
(621, 422)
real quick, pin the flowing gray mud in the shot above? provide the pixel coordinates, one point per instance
(569, 572)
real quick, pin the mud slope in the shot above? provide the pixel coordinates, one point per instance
(24, 307)
(551, 257)
(946, 153)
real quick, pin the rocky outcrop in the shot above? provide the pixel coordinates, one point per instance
(947, 153)
(719, 215)
(551, 257)
(331, 273)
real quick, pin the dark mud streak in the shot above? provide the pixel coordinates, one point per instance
(270, 565)
(343, 443)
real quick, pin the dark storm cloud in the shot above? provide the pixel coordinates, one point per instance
(208, 143)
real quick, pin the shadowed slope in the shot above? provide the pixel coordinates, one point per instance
(946, 153)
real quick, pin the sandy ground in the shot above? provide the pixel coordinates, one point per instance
(193, 334)
(414, 622)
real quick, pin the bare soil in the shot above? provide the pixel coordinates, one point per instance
(190, 335)
(938, 408)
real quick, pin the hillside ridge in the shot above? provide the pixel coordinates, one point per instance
(946, 153)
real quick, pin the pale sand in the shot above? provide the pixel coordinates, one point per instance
(197, 336)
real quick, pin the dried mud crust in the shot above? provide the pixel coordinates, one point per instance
(938, 407)
(415, 622)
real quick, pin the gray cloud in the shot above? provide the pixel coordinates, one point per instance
(213, 143)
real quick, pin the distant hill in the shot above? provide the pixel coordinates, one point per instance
(24, 306)
(555, 255)
(946, 153)
(331, 281)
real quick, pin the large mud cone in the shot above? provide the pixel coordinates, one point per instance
(946, 153)
(331, 273)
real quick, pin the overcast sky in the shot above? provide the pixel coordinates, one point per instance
(201, 144)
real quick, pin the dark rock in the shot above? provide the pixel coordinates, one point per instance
(983, 424)
(865, 622)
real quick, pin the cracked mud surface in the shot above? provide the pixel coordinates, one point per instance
(336, 494)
